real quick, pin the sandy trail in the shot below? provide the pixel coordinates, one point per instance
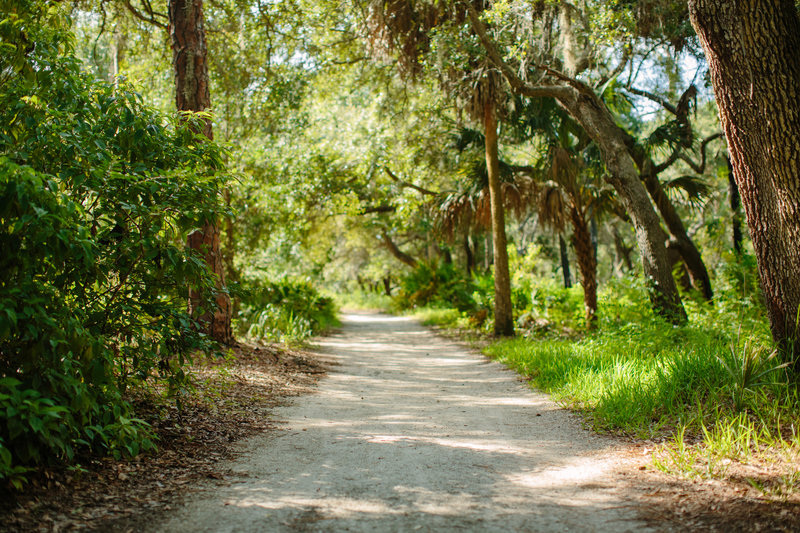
(411, 432)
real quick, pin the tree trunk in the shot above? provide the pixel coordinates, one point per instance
(562, 249)
(387, 285)
(752, 52)
(192, 94)
(503, 315)
(736, 210)
(583, 104)
(447, 256)
(680, 240)
(623, 250)
(587, 264)
(468, 254)
(598, 123)
(487, 252)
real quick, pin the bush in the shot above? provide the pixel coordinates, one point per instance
(287, 311)
(436, 284)
(97, 196)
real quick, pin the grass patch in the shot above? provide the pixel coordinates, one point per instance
(444, 318)
(361, 301)
(681, 386)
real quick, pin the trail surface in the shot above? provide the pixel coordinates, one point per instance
(410, 432)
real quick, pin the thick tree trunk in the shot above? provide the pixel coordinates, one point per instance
(562, 250)
(752, 51)
(503, 315)
(587, 265)
(192, 94)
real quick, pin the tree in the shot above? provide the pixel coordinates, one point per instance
(751, 48)
(192, 94)
(475, 87)
(588, 109)
(503, 312)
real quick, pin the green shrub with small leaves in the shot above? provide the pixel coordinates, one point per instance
(437, 284)
(286, 311)
(97, 195)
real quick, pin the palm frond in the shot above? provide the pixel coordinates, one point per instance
(692, 189)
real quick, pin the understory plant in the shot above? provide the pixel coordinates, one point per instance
(97, 195)
(287, 311)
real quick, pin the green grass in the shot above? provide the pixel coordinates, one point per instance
(640, 378)
(446, 318)
(713, 391)
(361, 301)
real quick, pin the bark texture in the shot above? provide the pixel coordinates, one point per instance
(503, 317)
(752, 51)
(192, 94)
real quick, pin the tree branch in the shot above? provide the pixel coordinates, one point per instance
(151, 19)
(378, 209)
(700, 168)
(517, 84)
(521, 169)
(410, 185)
(397, 252)
(653, 97)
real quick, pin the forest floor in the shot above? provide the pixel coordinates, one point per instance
(409, 432)
(235, 398)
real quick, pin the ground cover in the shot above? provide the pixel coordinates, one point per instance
(232, 400)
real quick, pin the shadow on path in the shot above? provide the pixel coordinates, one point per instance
(413, 433)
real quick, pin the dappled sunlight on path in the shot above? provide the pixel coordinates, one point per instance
(412, 432)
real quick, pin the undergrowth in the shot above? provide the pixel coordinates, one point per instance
(286, 311)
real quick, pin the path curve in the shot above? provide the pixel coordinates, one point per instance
(410, 432)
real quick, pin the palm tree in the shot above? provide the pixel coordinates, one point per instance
(569, 192)
(476, 87)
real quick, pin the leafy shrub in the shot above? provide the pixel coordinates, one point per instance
(97, 196)
(287, 311)
(436, 283)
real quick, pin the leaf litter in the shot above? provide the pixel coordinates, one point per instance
(233, 399)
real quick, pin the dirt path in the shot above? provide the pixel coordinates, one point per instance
(411, 432)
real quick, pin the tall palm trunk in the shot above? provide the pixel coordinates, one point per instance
(503, 316)
(192, 94)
